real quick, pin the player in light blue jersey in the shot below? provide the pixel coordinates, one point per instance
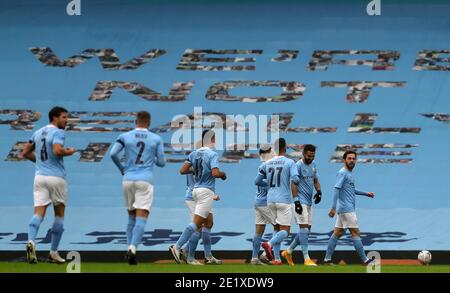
(46, 149)
(344, 200)
(309, 180)
(188, 252)
(143, 150)
(263, 215)
(204, 164)
(282, 177)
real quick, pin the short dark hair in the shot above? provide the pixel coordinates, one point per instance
(207, 134)
(348, 153)
(56, 112)
(143, 117)
(309, 148)
(264, 149)
(280, 144)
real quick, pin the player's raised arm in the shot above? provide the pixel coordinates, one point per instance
(114, 154)
(160, 160)
(28, 152)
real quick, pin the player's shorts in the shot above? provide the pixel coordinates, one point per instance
(282, 212)
(306, 217)
(264, 216)
(49, 189)
(191, 207)
(347, 220)
(203, 198)
(138, 195)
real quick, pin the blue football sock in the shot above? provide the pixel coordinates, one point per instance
(359, 248)
(130, 226)
(257, 239)
(192, 246)
(331, 246)
(186, 235)
(276, 251)
(278, 237)
(57, 231)
(304, 233)
(138, 231)
(294, 243)
(206, 238)
(33, 227)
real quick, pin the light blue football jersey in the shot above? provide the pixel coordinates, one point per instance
(47, 163)
(346, 197)
(261, 194)
(279, 172)
(307, 174)
(190, 183)
(143, 149)
(203, 161)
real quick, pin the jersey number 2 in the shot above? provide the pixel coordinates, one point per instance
(141, 146)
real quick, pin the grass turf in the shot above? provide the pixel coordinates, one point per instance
(90, 267)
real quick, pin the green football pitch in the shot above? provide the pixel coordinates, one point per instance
(92, 267)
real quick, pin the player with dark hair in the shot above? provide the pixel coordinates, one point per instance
(205, 167)
(50, 186)
(344, 199)
(309, 180)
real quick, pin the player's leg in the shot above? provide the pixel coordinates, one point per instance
(130, 225)
(357, 243)
(260, 226)
(188, 253)
(305, 228)
(57, 231)
(41, 199)
(142, 204)
(301, 221)
(257, 239)
(283, 219)
(33, 228)
(192, 247)
(337, 233)
(57, 191)
(206, 238)
(203, 198)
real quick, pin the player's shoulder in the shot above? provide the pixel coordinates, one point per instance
(56, 132)
(155, 137)
(289, 161)
(343, 172)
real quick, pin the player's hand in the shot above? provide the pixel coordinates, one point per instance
(224, 177)
(371, 194)
(216, 197)
(298, 207)
(70, 151)
(332, 213)
(317, 196)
